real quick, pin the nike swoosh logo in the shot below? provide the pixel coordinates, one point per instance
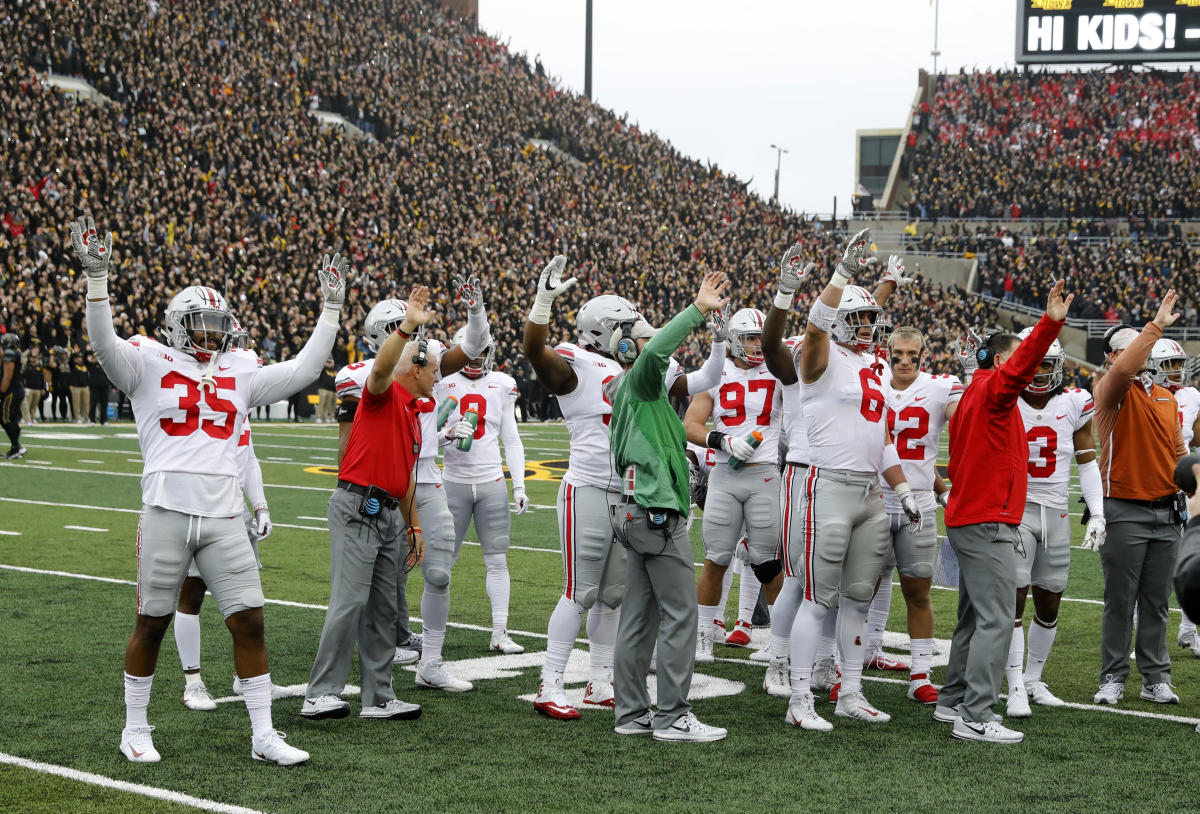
(260, 755)
(1063, 515)
(767, 480)
(1060, 417)
(919, 398)
(976, 728)
(135, 752)
(874, 713)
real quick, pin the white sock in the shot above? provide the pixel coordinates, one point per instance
(748, 588)
(851, 623)
(1016, 659)
(560, 637)
(827, 646)
(602, 622)
(704, 617)
(1186, 626)
(805, 633)
(783, 615)
(257, 692)
(187, 640)
(498, 589)
(191, 678)
(1041, 639)
(922, 657)
(726, 581)
(877, 616)
(435, 612)
(137, 699)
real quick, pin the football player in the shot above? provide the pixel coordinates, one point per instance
(190, 399)
(748, 399)
(1058, 425)
(474, 480)
(12, 393)
(842, 505)
(594, 564)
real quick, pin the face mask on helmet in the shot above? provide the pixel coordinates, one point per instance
(478, 368)
(199, 323)
(600, 317)
(1049, 375)
(744, 327)
(382, 322)
(1167, 364)
(858, 322)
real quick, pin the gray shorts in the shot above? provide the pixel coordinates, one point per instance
(593, 561)
(846, 535)
(251, 532)
(169, 541)
(915, 551)
(487, 504)
(437, 527)
(746, 497)
(1046, 537)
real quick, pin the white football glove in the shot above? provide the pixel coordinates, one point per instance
(857, 258)
(335, 277)
(966, 350)
(469, 292)
(551, 285)
(792, 270)
(895, 272)
(94, 256)
(1097, 531)
(461, 429)
(737, 447)
(718, 323)
(262, 524)
(908, 502)
(521, 500)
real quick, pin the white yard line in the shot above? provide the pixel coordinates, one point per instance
(86, 528)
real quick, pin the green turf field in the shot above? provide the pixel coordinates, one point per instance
(68, 515)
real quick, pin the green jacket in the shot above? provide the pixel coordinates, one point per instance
(644, 430)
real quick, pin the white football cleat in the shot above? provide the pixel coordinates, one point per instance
(394, 710)
(990, 732)
(855, 705)
(325, 706)
(503, 643)
(777, 681)
(1040, 694)
(1018, 703)
(761, 656)
(138, 746)
(718, 630)
(1111, 691)
(433, 675)
(196, 696)
(1159, 693)
(825, 674)
(551, 701)
(689, 728)
(802, 713)
(600, 694)
(704, 646)
(879, 660)
(405, 656)
(270, 748)
(641, 725)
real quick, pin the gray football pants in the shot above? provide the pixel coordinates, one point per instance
(987, 567)
(487, 503)
(1138, 557)
(363, 555)
(660, 604)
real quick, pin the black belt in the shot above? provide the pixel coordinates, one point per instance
(387, 501)
(1161, 503)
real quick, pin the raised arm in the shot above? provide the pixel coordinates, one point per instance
(709, 374)
(120, 361)
(1114, 384)
(824, 311)
(893, 278)
(415, 316)
(555, 374)
(646, 376)
(1015, 374)
(791, 273)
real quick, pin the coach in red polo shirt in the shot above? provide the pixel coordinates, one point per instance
(371, 520)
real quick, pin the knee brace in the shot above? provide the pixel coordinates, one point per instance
(766, 571)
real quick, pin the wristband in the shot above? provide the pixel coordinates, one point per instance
(715, 439)
(331, 314)
(404, 334)
(539, 314)
(902, 489)
(783, 301)
(839, 280)
(414, 530)
(97, 288)
(822, 316)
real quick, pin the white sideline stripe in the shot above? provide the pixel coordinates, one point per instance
(122, 785)
(85, 528)
(89, 461)
(10, 533)
(310, 517)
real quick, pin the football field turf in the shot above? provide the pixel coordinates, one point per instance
(68, 515)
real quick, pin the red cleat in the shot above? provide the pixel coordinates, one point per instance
(833, 692)
(552, 702)
(884, 661)
(740, 637)
(600, 694)
(921, 690)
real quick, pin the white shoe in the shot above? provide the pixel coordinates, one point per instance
(945, 715)
(761, 656)
(855, 705)
(406, 656)
(196, 696)
(777, 681)
(641, 725)
(270, 748)
(689, 728)
(1186, 639)
(1159, 693)
(718, 631)
(433, 675)
(990, 732)
(600, 694)
(503, 642)
(325, 706)
(137, 745)
(552, 702)
(802, 713)
(1111, 692)
(704, 646)
(1018, 703)
(1195, 647)
(825, 674)
(1040, 694)
(394, 710)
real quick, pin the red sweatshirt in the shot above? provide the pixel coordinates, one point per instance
(988, 450)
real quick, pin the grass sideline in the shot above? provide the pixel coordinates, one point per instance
(60, 684)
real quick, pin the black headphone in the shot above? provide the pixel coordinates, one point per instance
(626, 349)
(421, 357)
(1110, 333)
(985, 355)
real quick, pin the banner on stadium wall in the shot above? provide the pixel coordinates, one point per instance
(1080, 31)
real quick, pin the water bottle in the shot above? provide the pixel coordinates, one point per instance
(753, 439)
(471, 417)
(444, 411)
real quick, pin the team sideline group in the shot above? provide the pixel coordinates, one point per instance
(813, 457)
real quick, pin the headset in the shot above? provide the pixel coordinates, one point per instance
(1111, 332)
(985, 355)
(421, 357)
(625, 347)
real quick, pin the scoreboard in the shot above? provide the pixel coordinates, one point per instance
(1081, 31)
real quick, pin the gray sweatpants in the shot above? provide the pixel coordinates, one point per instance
(1138, 558)
(660, 604)
(363, 555)
(987, 584)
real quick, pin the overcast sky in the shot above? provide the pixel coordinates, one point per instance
(724, 80)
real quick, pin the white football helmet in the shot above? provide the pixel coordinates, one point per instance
(198, 309)
(1166, 364)
(384, 318)
(857, 310)
(1046, 382)
(240, 338)
(744, 324)
(476, 368)
(599, 317)
(795, 344)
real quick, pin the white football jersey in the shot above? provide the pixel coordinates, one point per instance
(795, 424)
(586, 411)
(916, 416)
(351, 379)
(427, 468)
(745, 401)
(1189, 406)
(846, 411)
(490, 396)
(1050, 432)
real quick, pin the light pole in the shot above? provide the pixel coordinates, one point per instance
(587, 53)
(779, 151)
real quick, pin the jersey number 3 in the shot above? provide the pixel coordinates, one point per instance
(1043, 444)
(189, 403)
